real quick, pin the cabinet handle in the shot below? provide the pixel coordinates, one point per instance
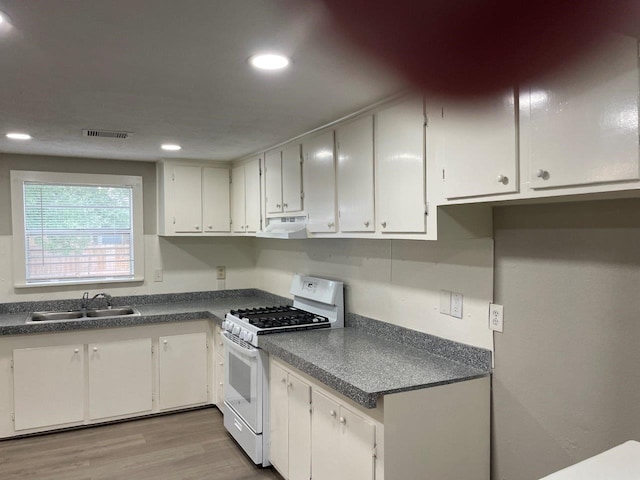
(343, 420)
(543, 174)
(366, 224)
(332, 413)
(384, 224)
(77, 350)
(95, 349)
(289, 385)
(502, 179)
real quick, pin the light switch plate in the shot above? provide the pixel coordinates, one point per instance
(221, 273)
(157, 275)
(496, 317)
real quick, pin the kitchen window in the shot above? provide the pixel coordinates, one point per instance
(76, 228)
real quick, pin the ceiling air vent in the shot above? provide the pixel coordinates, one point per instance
(106, 134)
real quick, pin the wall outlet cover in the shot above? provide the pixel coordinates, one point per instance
(221, 273)
(456, 304)
(157, 275)
(445, 302)
(496, 317)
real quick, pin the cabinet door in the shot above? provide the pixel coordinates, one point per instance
(219, 377)
(237, 200)
(319, 183)
(252, 196)
(325, 435)
(279, 420)
(357, 442)
(478, 155)
(584, 125)
(354, 146)
(400, 168)
(291, 179)
(182, 365)
(187, 199)
(299, 429)
(48, 386)
(119, 378)
(215, 200)
(273, 181)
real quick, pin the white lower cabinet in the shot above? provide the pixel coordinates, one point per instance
(55, 380)
(290, 424)
(48, 386)
(182, 370)
(344, 443)
(120, 376)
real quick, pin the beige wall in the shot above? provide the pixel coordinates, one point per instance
(566, 383)
(188, 264)
(392, 280)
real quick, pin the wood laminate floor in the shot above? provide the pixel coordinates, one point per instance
(189, 445)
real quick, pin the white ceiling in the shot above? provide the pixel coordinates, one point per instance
(173, 71)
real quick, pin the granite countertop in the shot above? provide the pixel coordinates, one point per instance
(363, 366)
(363, 361)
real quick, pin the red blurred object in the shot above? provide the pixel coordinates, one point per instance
(471, 47)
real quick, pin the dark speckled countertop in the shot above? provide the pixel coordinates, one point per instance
(363, 361)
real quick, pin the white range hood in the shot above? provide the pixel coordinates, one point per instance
(286, 228)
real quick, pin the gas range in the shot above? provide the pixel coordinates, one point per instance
(318, 303)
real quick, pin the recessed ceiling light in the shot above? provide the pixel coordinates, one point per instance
(270, 61)
(18, 136)
(171, 146)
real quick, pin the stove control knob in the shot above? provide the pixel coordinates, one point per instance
(224, 325)
(228, 326)
(244, 334)
(236, 330)
(249, 336)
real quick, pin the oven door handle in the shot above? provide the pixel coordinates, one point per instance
(252, 352)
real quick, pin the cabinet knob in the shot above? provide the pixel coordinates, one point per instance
(277, 205)
(289, 385)
(330, 224)
(283, 380)
(77, 350)
(95, 349)
(210, 227)
(542, 174)
(197, 227)
(221, 384)
(221, 364)
(165, 341)
(502, 179)
(343, 420)
(366, 224)
(332, 413)
(285, 205)
(384, 224)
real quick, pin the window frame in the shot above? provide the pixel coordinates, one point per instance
(18, 179)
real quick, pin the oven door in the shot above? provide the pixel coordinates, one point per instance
(243, 382)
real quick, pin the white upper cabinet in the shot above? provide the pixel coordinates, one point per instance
(400, 168)
(354, 147)
(193, 199)
(245, 197)
(291, 178)
(583, 125)
(283, 180)
(319, 180)
(273, 181)
(187, 199)
(477, 152)
(215, 200)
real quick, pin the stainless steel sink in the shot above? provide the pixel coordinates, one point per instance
(51, 316)
(57, 316)
(112, 312)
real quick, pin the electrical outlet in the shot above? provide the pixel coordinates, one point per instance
(445, 302)
(496, 317)
(157, 275)
(456, 304)
(221, 273)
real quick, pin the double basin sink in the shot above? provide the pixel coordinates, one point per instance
(83, 314)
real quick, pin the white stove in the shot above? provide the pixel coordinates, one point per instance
(317, 303)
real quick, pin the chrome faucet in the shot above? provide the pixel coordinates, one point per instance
(86, 302)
